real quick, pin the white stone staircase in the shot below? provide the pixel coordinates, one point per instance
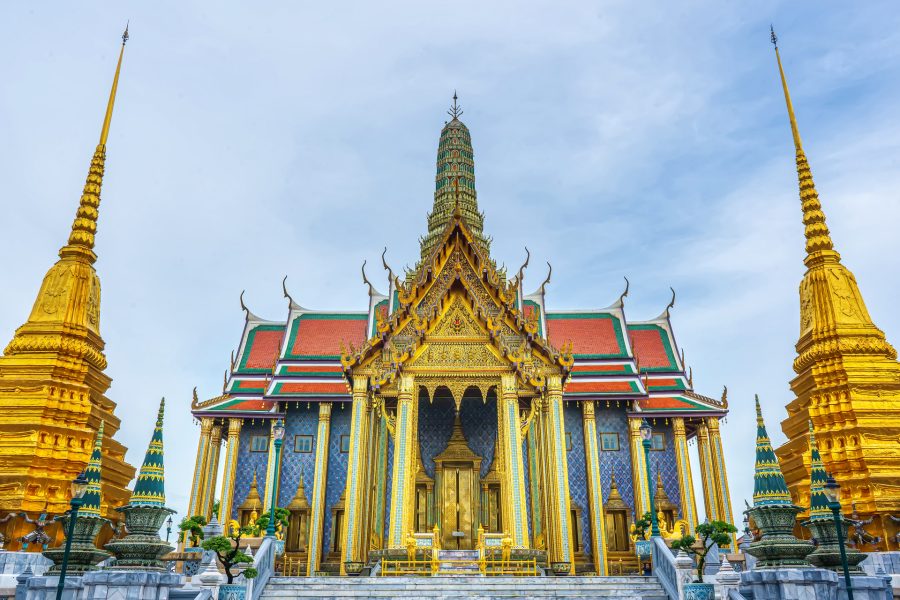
(478, 588)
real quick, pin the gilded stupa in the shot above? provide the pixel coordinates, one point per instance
(52, 379)
(848, 378)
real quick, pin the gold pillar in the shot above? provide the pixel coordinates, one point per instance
(368, 496)
(212, 470)
(534, 482)
(380, 463)
(638, 469)
(595, 493)
(707, 473)
(559, 539)
(723, 496)
(320, 478)
(226, 502)
(196, 502)
(685, 479)
(404, 468)
(513, 473)
(272, 470)
(356, 465)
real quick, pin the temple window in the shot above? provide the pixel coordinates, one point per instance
(259, 443)
(658, 442)
(303, 443)
(345, 444)
(609, 442)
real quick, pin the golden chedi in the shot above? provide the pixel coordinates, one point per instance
(847, 383)
(52, 381)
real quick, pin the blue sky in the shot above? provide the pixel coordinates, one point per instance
(647, 140)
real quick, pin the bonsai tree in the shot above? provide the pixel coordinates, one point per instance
(641, 527)
(192, 528)
(228, 551)
(282, 518)
(713, 532)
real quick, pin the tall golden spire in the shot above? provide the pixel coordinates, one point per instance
(81, 240)
(818, 238)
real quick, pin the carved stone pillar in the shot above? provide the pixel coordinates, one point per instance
(723, 496)
(516, 509)
(196, 502)
(231, 455)
(707, 473)
(559, 539)
(595, 493)
(356, 466)
(402, 486)
(638, 469)
(685, 479)
(320, 477)
(212, 470)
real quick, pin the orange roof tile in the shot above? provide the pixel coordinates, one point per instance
(597, 335)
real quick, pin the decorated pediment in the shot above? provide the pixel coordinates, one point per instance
(457, 311)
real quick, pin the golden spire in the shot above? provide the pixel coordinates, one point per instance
(81, 240)
(818, 238)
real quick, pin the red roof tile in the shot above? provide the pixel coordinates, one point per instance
(591, 334)
(314, 335)
(312, 387)
(600, 387)
(650, 348)
(264, 346)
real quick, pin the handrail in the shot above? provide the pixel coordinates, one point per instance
(664, 567)
(264, 563)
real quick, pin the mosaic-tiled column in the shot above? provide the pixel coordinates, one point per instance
(368, 495)
(638, 468)
(685, 479)
(320, 478)
(723, 496)
(534, 479)
(380, 481)
(231, 455)
(196, 501)
(707, 474)
(356, 465)
(403, 469)
(560, 538)
(595, 494)
(212, 470)
(272, 471)
(516, 525)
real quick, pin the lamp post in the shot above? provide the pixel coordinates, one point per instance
(833, 494)
(278, 434)
(647, 440)
(79, 488)
(168, 528)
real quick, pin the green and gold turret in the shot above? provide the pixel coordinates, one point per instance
(821, 520)
(773, 511)
(146, 513)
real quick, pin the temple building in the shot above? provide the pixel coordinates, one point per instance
(53, 384)
(847, 383)
(457, 403)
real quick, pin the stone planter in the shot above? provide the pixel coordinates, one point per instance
(777, 547)
(561, 569)
(232, 591)
(643, 548)
(84, 555)
(279, 547)
(694, 591)
(353, 567)
(141, 549)
(827, 554)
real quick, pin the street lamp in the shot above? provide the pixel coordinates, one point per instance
(278, 434)
(168, 528)
(79, 488)
(833, 494)
(647, 440)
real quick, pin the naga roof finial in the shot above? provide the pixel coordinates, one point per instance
(625, 293)
(455, 110)
(543, 287)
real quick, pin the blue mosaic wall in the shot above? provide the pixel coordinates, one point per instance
(248, 463)
(388, 484)
(337, 466)
(664, 462)
(435, 426)
(613, 420)
(578, 470)
(299, 420)
(479, 423)
(527, 485)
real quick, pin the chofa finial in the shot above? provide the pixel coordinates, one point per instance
(773, 36)
(125, 33)
(455, 110)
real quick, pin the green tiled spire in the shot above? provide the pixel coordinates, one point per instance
(818, 503)
(150, 490)
(769, 487)
(90, 506)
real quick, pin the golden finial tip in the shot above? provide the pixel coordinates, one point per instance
(125, 33)
(774, 37)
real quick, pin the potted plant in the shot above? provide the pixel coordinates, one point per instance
(228, 551)
(282, 518)
(639, 533)
(713, 532)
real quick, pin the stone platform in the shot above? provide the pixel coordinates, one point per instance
(478, 588)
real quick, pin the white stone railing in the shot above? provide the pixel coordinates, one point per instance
(671, 571)
(264, 563)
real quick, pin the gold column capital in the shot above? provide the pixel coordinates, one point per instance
(634, 426)
(206, 424)
(360, 384)
(405, 386)
(587, 410)
(324, 411)
(554, 384)
(234, 426)
(678, 426)
(508, 384)
(712, 423)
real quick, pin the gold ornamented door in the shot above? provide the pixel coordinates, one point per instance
(456, 471)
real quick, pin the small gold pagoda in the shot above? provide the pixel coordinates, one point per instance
(848, 379)
(52, 381)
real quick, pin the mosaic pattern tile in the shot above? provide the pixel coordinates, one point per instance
(435, 426)
(664, 463)
(301, 419)
(613, 420)
(337, 465)
(479, 423)
(388, 483)
(578, 470)
(248, 463)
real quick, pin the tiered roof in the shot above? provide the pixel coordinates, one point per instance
(299, 359)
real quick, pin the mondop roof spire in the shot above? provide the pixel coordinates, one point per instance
(769, 487)
(818, 503)
(149, 490)
(91, 499)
